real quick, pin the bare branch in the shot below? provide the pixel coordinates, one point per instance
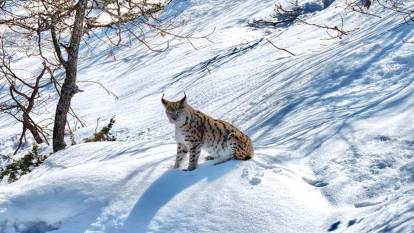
(57, 46)
(280, 48)
(102, 86)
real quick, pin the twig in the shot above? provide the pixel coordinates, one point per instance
(97, 124)
(102, 86)
(339, 30)
(280, 48)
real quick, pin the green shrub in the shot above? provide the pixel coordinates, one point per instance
(104, 134)
(22, 166)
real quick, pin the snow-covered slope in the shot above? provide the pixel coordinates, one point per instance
(332, 128)
(130, 187)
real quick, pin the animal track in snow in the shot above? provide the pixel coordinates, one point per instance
(253, 179)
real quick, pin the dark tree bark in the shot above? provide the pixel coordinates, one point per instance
(69, 87)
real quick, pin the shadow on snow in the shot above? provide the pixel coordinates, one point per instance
(166, 187)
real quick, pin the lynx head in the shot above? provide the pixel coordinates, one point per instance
(175, 110)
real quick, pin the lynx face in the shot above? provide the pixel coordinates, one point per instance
(174, 110)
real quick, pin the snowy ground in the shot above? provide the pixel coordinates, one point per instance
(332, 128)
(133, 189)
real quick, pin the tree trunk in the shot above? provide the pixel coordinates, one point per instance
(69, 87)
(35, 133)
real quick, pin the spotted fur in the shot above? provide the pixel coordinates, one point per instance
(195, 130)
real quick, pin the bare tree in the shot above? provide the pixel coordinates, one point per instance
(21, 97)
(22, 105)
(54, 30)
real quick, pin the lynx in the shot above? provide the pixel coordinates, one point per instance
(195, 130)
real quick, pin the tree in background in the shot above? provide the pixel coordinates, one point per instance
(52, 32)
(24, 99)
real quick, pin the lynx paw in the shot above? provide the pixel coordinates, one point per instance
(189, 169)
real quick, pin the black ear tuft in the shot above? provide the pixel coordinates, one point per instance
(163, 100)
(183, 100)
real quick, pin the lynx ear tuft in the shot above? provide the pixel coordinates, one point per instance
(183, 100)
(163, 100)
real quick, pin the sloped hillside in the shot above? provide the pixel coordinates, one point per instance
(332, 128)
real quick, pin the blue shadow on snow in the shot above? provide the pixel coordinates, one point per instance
(167, 186)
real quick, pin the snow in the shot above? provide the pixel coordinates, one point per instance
(142, 193)
(332, 129)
